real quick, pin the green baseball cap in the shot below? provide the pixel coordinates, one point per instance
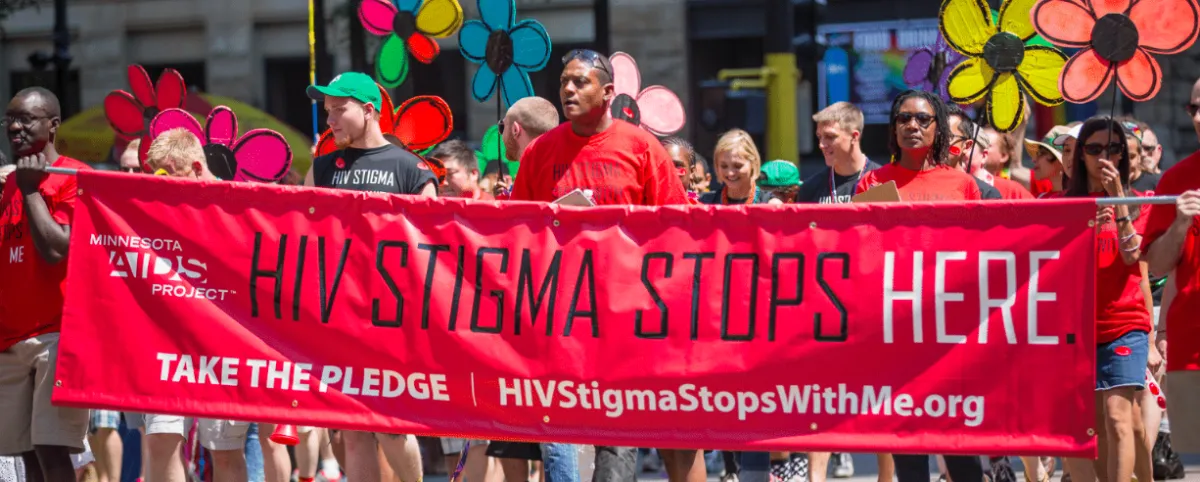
(780, 173)
(354, 85)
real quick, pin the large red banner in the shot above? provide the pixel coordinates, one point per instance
(854, 328)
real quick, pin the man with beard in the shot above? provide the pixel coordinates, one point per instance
(622, 165)
(35, 230)
(366, 161)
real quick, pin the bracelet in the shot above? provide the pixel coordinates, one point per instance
(1126, 239)
(1133, 249)
(1123, 219)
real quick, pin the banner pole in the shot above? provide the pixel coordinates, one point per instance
(1125, 201)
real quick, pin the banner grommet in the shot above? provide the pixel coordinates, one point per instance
(546, 419)
(79, 192)
(1091, 432)
(295, 403)
(556, 223)
(812, 225)
(813, 426)
(312, 210)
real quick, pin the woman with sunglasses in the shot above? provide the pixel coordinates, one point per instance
(1124, 334)
(919, 138)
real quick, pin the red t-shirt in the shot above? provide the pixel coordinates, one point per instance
(937, 184)
(622, 165)
(1010, 189)
(1181, 315)
(1037, 187)
(31, 290)
(1120, 303)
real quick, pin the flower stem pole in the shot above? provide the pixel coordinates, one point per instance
(312, 65)
(62, 45)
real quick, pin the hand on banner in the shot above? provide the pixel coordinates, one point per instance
(1111, 179)
(503, 187)
(1187, 207)
(30, 172)
(1104, 215)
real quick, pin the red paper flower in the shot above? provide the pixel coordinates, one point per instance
(1116, 37)
(261, 155)
(130, 114)
(420, 123)
(654, 108)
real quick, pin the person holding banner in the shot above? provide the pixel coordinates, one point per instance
(35, 219)
(623, 165)
(919, 138)
(1124, 333)
(739, 164)
(367, 161)
(839, 134)
(1172, 246)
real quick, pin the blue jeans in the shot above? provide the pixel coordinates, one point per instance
(561, 462)
(254, 455)
(756, 467)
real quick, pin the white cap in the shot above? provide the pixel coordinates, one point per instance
(1072, 134)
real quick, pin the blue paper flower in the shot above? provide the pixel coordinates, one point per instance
(506, 50)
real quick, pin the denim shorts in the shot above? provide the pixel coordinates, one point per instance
(1122, 362)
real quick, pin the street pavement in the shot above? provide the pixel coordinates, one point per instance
(866, 471)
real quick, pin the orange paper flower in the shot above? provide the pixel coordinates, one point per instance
(1116, 38)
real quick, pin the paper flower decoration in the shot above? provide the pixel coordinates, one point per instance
(506, 50)
(261, 155)
(1000, 67)
(420, 123)
(928, 68)
(1116, 37)
(410, 26)
(130, 114)
(654, 108)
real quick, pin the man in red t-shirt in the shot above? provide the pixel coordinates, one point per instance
(1171, 244)
(621, 163)
(35, 230)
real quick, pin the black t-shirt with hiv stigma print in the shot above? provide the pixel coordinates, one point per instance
(816, 188)
(387, 169)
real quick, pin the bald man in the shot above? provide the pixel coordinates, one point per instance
(527, 119)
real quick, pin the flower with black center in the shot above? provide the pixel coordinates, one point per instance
(1000, 67)
(411, 27)
(1116, 38)
(507, 50)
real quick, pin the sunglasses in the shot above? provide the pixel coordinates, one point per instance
(500, 127)
(1096, 149)
(1192, 109)
(591, 57)
(923, 119)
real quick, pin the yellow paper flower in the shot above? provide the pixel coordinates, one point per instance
(1000, 66)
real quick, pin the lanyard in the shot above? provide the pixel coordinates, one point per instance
(833, 188)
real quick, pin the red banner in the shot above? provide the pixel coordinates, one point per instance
(852, 328)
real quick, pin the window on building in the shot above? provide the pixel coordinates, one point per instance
(287, 81)
(70, 102)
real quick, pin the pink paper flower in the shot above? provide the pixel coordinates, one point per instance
(261, 155)
(654, 108)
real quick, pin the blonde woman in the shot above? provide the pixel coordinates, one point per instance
(737, 165)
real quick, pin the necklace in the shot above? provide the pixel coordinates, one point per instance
(725, 196)
(833, 189)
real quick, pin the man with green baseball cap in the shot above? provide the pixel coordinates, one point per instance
(781, 178)
(352, 85)
(365, 160)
